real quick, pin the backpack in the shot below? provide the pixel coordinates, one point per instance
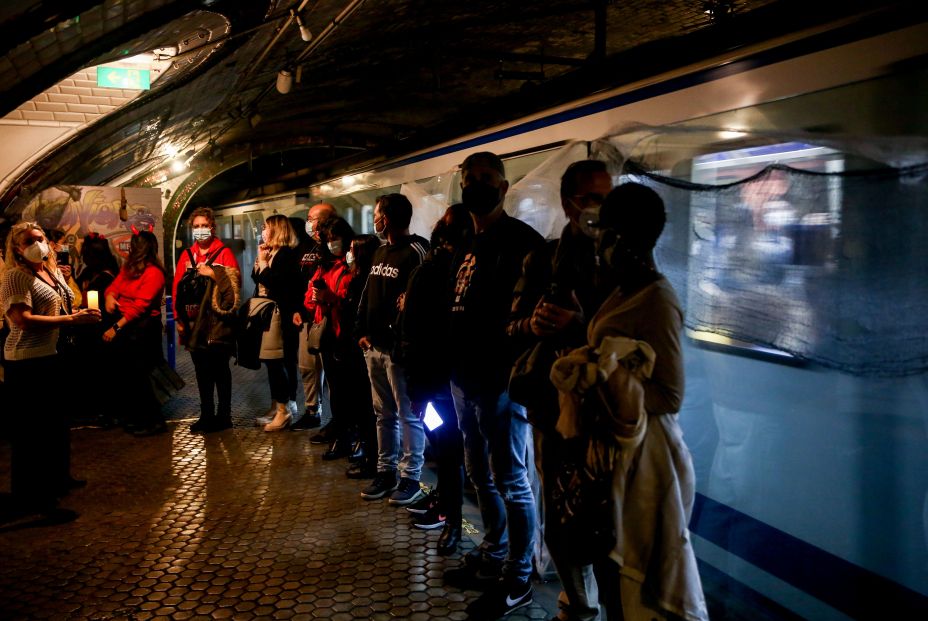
(191, 288)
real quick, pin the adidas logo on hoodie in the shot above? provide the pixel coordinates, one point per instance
(386, 270)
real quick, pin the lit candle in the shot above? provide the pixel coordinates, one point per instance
(93, 300)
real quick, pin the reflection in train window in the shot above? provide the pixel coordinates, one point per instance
(764, 225)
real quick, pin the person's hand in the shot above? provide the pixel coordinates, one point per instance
(206, 270)
(65, 271)
(401, 302)
(297, 320)
(323, 296)
(365, 343)
(548, 319)
(111, 305)
(109, 335)
(86, 315)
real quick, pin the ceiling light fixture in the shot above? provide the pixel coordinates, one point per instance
(284, 81)
(305, 33)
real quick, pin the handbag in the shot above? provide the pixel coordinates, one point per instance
(318, 336)
(272, 340)
(582, 500)
(165, 381)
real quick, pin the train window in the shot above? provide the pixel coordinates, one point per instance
(761, 230)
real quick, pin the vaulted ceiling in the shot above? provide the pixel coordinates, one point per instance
(379, 78)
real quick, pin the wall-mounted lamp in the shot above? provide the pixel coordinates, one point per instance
(284, 81)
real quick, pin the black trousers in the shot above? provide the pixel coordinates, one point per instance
(135, 352)
(357, 399)
(40, 439)
(211, 366)
(448, 449)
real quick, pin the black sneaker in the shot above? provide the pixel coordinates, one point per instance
(383, 484)
(506, 595)
(325, 436)
(309, 420)
(425, 504)
(429, 520)
(407, 492)
(475, 574)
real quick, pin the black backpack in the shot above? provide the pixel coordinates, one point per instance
(191, 288)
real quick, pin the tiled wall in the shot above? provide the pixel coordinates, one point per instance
(73, 102)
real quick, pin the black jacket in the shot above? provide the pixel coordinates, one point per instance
(485, 273)
(283, 282)
(216, 320)
(424, 327)
(389, 276)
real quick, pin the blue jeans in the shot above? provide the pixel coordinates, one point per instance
(495, 436)
(395, 418)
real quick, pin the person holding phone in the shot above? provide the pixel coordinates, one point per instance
(423, 327)
(325, 301)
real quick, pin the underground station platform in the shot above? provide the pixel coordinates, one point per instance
(240, 524)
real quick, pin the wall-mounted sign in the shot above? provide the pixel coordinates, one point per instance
(121, 77)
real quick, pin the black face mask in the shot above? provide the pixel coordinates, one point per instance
(479, 198)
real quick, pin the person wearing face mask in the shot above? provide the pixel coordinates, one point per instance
(400, 433)
(641, 428)
(37, 302)
(205, 327)
(325, 299)
(495, 430)
(363, 456)
(313, 254)
(552, 303)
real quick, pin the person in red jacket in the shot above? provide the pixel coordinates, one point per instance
(210, 355)
(326, 298)
(135, 297)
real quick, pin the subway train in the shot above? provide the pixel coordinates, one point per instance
(795, 182)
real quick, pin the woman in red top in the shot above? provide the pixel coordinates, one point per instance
(135, 297)
(326, 297)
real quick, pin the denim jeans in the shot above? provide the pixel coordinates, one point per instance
(495, 452)
(395, 419)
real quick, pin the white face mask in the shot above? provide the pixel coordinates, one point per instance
(202, 233)
(309, 228)
(335, 247)
(349, 258)
(265, 235)
(37, 252)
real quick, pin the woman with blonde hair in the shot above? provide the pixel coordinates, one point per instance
(135, 298)
(37, 301)
(277, 276)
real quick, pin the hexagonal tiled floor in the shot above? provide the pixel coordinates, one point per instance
(240, 524)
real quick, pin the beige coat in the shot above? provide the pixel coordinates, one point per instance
(653, 477)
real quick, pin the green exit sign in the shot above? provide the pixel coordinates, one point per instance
(120, 77)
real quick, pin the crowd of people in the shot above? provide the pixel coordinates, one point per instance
(485, 342)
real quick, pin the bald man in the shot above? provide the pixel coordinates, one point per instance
(311, 364)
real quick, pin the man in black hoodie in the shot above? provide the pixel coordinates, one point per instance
(486, 271)
(398, 428)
